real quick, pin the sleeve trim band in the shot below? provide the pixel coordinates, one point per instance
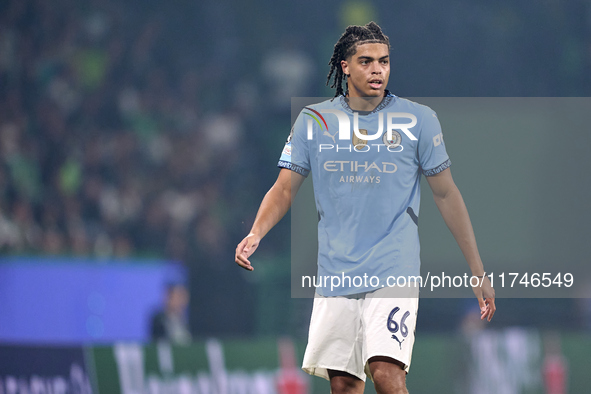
(438, 169)
(294, 167)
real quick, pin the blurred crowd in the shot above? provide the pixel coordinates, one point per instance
(123, 134)
(126, 126)
(106, 148)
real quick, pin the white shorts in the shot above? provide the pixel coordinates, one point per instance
(345, 332)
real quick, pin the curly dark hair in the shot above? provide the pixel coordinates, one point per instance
(346, 47)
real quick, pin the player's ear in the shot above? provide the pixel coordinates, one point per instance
(345, 67)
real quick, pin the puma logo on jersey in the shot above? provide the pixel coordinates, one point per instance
(397, 340)
(331, 135)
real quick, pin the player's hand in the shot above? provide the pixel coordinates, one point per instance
(245, 249)
(485, 295)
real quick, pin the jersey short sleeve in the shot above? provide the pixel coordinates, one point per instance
(295, 155)
(433, 157)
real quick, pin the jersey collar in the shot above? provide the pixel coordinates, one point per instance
(388, 97)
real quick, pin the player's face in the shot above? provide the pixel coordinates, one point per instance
(368, 70)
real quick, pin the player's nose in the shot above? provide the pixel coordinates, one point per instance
(375, 68)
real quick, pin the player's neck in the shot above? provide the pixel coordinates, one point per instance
(363, 103)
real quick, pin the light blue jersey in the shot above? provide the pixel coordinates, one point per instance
(367, 191)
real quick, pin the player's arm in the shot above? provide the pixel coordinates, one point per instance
(450, 203)
(274, 206)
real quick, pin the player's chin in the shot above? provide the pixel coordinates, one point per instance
(375, 92)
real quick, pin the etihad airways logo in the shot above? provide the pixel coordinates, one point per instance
(355, 166)
(344, 131)
(360, 172)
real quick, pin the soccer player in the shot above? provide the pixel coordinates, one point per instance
(367, 191)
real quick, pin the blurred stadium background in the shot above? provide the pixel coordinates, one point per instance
(137, 139)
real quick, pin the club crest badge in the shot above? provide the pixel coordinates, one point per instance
(358, 142)
(287, 150)
(395, 141)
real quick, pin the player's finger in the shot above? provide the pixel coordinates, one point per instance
(484, 309)
(488, 312)
(482, 306)
(241, 257)
(243, 262)
(492, 308)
